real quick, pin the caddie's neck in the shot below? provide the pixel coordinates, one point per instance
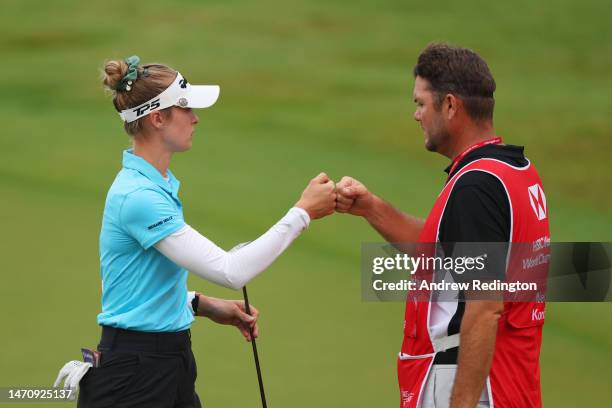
(154, 151)
(469, 134)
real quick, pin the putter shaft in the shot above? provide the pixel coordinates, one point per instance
(255, 354)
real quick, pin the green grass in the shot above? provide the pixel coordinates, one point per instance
(307, 86)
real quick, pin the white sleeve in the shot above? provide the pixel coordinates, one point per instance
(199, 255)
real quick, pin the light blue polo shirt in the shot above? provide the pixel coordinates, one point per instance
(141, 288)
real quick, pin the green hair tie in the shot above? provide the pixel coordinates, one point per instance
(126, 82)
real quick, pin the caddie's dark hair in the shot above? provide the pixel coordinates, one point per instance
(461, 72)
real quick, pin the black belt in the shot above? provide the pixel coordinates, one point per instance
(114, 339)
(447, 357)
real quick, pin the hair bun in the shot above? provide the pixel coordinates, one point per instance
(114, 71)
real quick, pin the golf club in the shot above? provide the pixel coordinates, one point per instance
(253, 343)
(255, 354)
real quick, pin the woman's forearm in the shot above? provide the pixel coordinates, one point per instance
(233, 269)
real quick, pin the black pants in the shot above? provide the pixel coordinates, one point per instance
(138, 369)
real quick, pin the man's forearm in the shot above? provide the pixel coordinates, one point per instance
(478, 331)
(393, 224)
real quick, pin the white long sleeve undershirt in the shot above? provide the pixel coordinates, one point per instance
(234, 269)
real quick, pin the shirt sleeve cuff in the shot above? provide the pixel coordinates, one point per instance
(190, 297)
(301, 214)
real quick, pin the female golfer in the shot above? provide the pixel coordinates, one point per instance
(146, 248)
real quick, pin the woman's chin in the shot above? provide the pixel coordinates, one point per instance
(187, 146)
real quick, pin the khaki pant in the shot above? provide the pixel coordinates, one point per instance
(439, 386)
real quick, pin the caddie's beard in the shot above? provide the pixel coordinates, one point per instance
(437, 137)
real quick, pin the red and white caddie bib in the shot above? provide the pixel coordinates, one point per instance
(514, 379)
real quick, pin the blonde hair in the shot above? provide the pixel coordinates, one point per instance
(152, 80)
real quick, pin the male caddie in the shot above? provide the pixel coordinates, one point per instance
(481, 353)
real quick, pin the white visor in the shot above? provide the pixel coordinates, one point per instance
(180, 93)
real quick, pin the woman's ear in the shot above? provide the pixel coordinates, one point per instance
(157, 119)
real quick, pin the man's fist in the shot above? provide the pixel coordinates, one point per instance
(319, 197)
(353, 197)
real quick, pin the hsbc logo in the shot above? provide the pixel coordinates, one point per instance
(538, 201)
